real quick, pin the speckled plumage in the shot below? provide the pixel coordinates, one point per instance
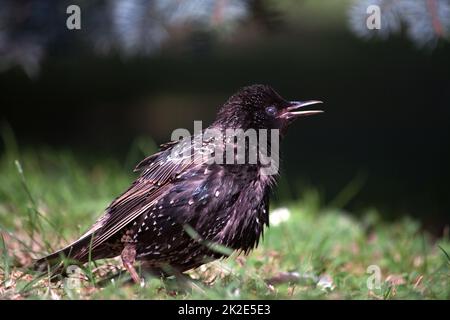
(227, 204)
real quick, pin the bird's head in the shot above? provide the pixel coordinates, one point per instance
(261, 107)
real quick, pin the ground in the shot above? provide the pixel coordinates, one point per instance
(311, 250)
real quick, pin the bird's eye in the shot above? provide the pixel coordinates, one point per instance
(271, 111)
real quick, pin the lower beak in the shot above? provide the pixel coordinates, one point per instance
(293, 110)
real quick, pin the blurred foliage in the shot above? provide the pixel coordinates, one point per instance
(423, 21)
(31, 30)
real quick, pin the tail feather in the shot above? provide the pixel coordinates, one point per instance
(78, 252)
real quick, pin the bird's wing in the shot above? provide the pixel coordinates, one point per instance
(158, 171)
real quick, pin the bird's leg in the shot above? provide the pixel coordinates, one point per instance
(128, 257)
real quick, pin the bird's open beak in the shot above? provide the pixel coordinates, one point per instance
(292, 111)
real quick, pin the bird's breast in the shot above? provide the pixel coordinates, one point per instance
(231, 205)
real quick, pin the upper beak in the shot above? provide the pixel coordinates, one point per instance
(293, 110)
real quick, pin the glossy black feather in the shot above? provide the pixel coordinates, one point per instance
(224, 203)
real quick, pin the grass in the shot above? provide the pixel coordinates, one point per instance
(312, 251)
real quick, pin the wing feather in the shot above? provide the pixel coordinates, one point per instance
(158, 173)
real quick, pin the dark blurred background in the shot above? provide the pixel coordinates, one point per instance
(144, 68)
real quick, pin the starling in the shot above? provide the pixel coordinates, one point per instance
(169, 217)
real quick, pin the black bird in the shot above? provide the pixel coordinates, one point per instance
(170, 215)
